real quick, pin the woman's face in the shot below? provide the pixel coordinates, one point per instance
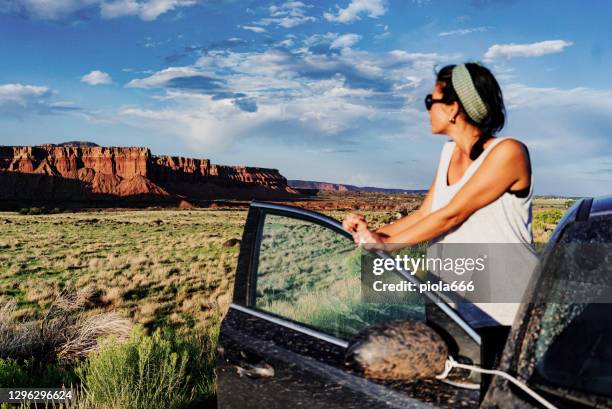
(440, 113)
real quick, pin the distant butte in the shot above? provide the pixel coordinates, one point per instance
(82, 172)
(75, 143)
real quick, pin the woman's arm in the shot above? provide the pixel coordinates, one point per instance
(408, 221)
(354, 221)
(503, 167)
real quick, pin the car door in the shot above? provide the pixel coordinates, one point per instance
(297, 304)
(561, 344)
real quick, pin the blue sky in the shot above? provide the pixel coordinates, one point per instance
(321, 90)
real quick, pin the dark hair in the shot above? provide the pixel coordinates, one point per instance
(487, 87)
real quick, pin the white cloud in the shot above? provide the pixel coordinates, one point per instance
(289, 14)
(202, 122)
(45, 9)
(20, 92)
(56, 9)
(519, 96)
(160, 78)
(20, 99)
(345, 41)
(147, 10)
(316, 39)
(332, 40)
(318, 97)
(525, 50)
(96, 78)
(254, 29)
(503, 72)
(464, 31)
(551, 120)
(373, 8)
(287, 42)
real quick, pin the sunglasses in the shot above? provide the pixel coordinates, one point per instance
(429, 101)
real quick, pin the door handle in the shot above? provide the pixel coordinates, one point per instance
(260, 370)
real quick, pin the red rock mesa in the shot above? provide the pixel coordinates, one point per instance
(53, 173)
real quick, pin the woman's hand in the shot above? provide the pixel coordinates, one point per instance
(369, 239)
(354, 222)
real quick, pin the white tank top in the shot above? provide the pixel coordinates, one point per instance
(505, 220)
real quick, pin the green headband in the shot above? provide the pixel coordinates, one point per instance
(464, 87)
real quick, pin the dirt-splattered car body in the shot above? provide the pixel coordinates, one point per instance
(284, 340)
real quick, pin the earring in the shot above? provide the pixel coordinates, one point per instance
(451, 120)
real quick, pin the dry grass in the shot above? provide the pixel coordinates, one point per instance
(66, 330)
(147, 265)
(89, 330)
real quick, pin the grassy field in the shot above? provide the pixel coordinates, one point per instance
(156, 267)
(159, 269)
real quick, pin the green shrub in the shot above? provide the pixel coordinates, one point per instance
(32, 373)
(49, 374)
(12, 374)
(163, 370)
(551, 216)
(202, 349)
(34, 211)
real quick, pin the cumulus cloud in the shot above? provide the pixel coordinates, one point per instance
(325, 43)
(289, 14)
(352, 12)
(287, 42)
(97, 77)
(226, 96)
(188, 80)
(520, 96)
(346, 40)
(57, 9)
(203, 123)
(44, 9)
(525, 50)
(320, 39)
(20, 92)
(160, 78)
(20, 99)
(147, 10)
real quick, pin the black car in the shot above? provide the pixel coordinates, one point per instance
(297, 310)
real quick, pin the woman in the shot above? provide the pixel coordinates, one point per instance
(482, 191)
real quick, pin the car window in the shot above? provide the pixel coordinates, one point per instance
(573, 347)
(311, 274)
(579, 357)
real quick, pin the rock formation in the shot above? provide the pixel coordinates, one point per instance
(84, 173)
(339, 187)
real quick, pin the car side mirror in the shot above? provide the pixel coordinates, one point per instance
(398, 350)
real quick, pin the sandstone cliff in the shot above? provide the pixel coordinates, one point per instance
(113, 174)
